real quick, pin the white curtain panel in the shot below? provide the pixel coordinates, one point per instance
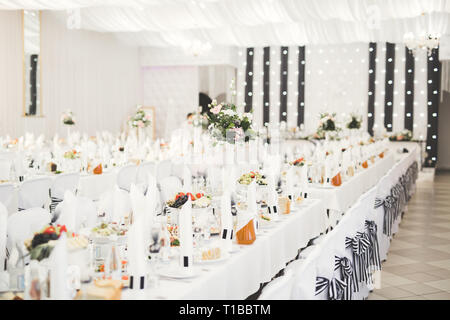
(254, 22)
(90, 73)
(336, 80)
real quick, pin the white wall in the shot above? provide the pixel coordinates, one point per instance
(90, 73)
(177, 57)
(173, 91)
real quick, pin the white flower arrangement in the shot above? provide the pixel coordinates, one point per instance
(140, 119)
(327, 126)
(67, 118)
(226, 124)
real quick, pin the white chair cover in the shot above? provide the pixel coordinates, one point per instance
(5, 169)
(127, 176)
(6, 194)
(278, 289)
(144, 169)
(23, 224)
(34, 193)
(163, 170)
(61, 184)
(169, 187)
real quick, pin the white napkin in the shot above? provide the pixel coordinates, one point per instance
(227, 221)
(138, 203)
(290, 174)
(136, 254)
(121, 205)
(68, 215)
(58, 270)
(185, 234)
(272, 196)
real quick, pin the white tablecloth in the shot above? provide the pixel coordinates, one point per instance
(242, 273)
(342, 197)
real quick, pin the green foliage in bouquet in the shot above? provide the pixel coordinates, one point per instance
(226, 124)
(327, 123)
(140, 119)
(355, 122)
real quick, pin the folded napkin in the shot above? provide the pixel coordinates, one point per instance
(185, 236)
(68, 216)
(138, 202)
(116, 204)
(272, 195)
(227, 221)
(58, 270)
(136, 256)
(290, 175)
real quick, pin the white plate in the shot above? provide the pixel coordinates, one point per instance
(177, 272)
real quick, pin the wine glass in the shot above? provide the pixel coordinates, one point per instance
(154, 250)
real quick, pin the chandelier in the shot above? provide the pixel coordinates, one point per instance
(421, 42)
(197, 48)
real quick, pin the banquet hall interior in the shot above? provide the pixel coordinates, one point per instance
(224, 150)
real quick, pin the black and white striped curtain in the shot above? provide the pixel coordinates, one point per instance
(296, 83)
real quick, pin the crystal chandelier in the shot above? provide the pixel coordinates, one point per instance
(197, 48)
(421, 42)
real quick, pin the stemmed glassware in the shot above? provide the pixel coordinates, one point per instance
(154, 251)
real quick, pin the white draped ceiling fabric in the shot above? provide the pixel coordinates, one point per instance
(255, 23)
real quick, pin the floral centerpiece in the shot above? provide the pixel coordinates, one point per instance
(226, 124)
(327, 124)
(140, 119)
(404, 135)
(68, 118)
(355, 121)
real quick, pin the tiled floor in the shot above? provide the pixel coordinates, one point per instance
(418, 264)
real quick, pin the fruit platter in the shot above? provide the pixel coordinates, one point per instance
(41, 245)
(248, 178)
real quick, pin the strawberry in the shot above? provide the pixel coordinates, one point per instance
(62, 229)
(49, 230)
(198, 195)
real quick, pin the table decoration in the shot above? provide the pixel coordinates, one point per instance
(327, 128)
(185, 232)
(354, 122)
(404, 135)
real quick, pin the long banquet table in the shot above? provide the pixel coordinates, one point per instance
(242, 273)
